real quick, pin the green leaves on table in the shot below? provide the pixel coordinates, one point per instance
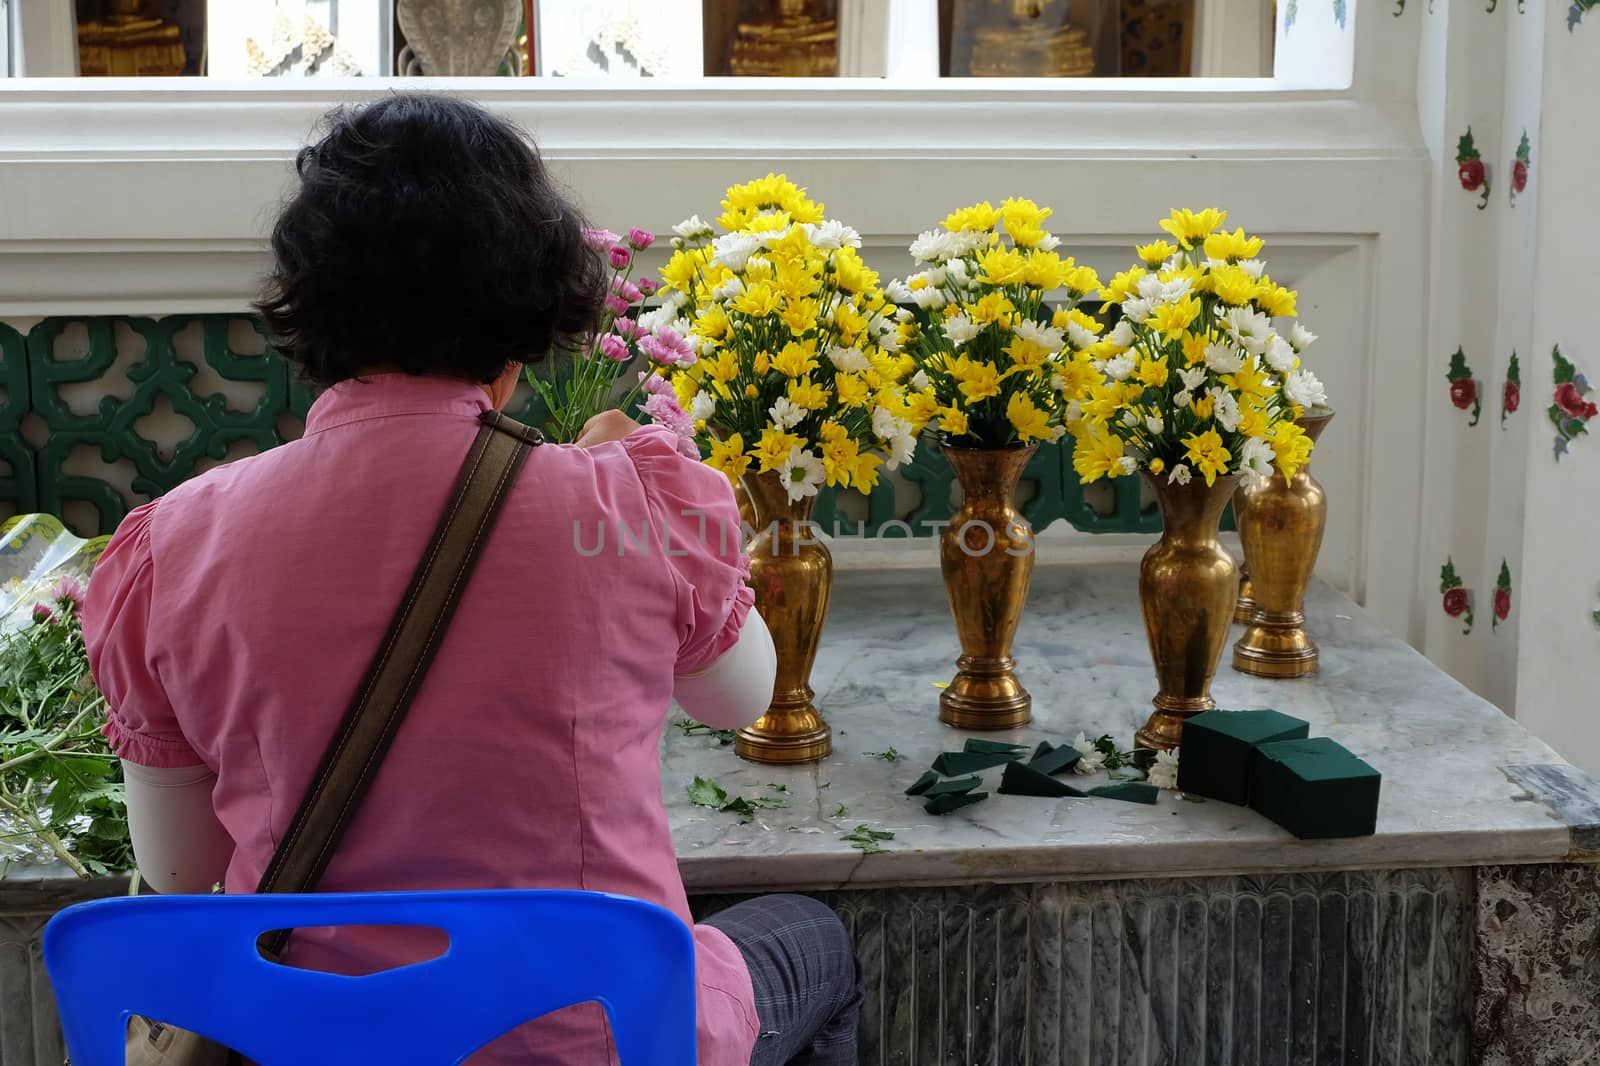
(889, 755)
(690, 728)
(866, 839)
(705, 792)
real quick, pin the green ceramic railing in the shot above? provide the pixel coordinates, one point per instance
(77, 385)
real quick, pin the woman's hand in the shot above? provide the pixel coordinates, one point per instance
(603, 427)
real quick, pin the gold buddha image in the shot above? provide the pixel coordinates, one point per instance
(786, 39)
(125, 38)
(1021, 39)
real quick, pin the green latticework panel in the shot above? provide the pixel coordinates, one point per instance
(130, 407)
(236, 407)
(19, 479)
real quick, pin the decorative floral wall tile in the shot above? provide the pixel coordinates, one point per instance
(1571, 408)
(1520, 167)
(1399, 8)
(1457, 597)
(1502, 596)
(1511, 393)
(1470, 168)
(1463, 387)
(1576, 12)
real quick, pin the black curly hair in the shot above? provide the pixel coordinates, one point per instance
(426, 236)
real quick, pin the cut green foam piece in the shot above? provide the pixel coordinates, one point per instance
(1044, 748)
(1218, 748)
(953, 801)
(1316, 789)
(1056, 760)
(954, 785)
(1130, 791)
(1020, 779)
(993, 747)
(957, 763)
(921, 784)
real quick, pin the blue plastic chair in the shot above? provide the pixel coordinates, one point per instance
(191, 961)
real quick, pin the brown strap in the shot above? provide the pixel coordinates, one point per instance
(352, 759)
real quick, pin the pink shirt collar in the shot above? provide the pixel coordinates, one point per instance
(388, 395)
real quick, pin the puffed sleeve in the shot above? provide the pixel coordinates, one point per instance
(696, 519)
(140, 723)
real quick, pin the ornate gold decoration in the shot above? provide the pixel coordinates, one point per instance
(130, 41)
(1187, 584)
(1013, 39)
(1281, 526)
(1244, 608)
(791, 571)
(798, 39)
(986, 553)
(458, 38)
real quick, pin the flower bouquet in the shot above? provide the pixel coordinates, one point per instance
(797, 384)
(1196, 388)
(995, 366)
(576, 389)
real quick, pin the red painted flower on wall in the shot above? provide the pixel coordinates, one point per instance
(1463, 387)
(1511, 394)
(1519, 168)
(1572, 409)
(1470, 168)
(1457, 597)
(1502, 596)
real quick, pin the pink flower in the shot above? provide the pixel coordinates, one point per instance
(640, 239)
(68, 590)
(646, 286)
(41, 613)
(617, 305)
(662, 407)
(614, 347)
(626, 289)
(628, 328)
(600, 239)
(621, 257)
(667, 348)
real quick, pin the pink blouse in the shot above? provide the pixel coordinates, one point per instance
(229, 622)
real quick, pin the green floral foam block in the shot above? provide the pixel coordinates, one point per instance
(1315, 788)
(1218, 748)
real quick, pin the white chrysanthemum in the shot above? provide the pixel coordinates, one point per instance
(728, 290)
(1137, 310)
(1121, 334)
(1223, 359)
(1303, 388)
(884, 423)
(786, 414)
(1118, 368)
(920, 382)
(1056, 433)
(1093, 760)
(903, 315)
(890, 342)
(1130, 418)
(1250, 330)
(1301, 338)
(901, 448)
(1047, 337)
(850, 360)
(960, 329)
(1254, 267)
(897, 292)
(933, 246)
(1080, 338)
(960, 274)
(1180, 474)
(1074, 412)
(703, 406)
(693, 228)
(929, 299)
(802, 474)
(966, 242)
(1256, 458)
(1058, 383)
(1150, 287)
(1192, 377)
(1048, 243)
(1182, 399)
(1225, 408)
(654, 319)
(1129, 464)
(1175, 290)
(832, 235)
(733, 250)
(1155, 424)
(1279, 355)
(1164, 771)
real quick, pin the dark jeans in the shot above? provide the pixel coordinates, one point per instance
(807, 983)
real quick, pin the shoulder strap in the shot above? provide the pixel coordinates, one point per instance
(352, 759)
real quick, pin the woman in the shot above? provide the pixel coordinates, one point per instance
(423, 259)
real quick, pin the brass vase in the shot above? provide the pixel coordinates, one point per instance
(1187, 584)
(791, 571)
(1244, 608)
(1281, 526)
(986, 554)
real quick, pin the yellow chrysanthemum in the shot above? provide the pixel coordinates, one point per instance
(839, 453)
(1276, 301)
(1097, 453)
(799, 315)
(953, 421)
(774, 446)
(1026, 353)
(977, 217)
(684, 387)
(1158, 465)
(1078, 376)
(851, 273)
(768, 222)
(711, 322)
(751, 392)
(979, 380)
(1002, 266)
(758, 300)
(1080, 281)
(920, 408)
(1206, 452)
(1155, 253)
(1152, 372)
(1020, 213)
(1103, 402)
(1202, 406)
(1194, 348)
(797, 359)
(773, 192)
(1233, 285)
(1190, 228)
(725, 367)
(728, 456)
(1248, 380)
(1171, 320)
(1123, 286)
(1046, 271)
(1233, 246)
(850, 323)
(993, 307)
(803, 392)
(1029, 422)
(1253, 419)
(864, 471)
(851, 390)
(1291, 448)
(682, 268)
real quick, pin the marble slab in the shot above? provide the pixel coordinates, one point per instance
(1447, 799)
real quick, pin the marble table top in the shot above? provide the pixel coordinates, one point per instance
(1463, 784)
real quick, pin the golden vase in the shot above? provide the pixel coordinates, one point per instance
(1281, 527)
(1187, 584)
(791, 571)
(1244, 608)
(986, 554)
